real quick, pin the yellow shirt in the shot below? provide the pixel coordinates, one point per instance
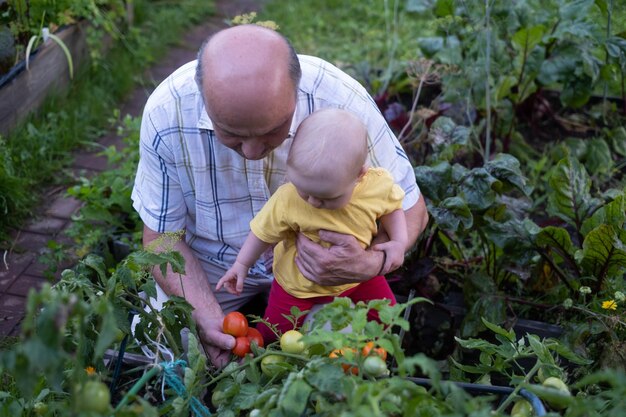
(286, 214)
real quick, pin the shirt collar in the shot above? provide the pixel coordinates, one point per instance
(204, 122)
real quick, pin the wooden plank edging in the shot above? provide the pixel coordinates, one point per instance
(48, 72)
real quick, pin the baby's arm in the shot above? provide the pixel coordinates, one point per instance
(395, 226)
(251, 250)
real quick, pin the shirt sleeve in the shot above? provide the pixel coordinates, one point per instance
(157, 195)
(269, 224)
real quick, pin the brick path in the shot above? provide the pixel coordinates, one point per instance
(19, 269)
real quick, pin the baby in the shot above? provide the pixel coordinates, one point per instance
(331, 188)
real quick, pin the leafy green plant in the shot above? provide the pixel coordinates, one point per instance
(507, 56)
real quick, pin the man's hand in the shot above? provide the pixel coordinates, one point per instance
(342, 263)
(216, 343)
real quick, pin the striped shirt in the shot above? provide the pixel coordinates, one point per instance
(186, 179)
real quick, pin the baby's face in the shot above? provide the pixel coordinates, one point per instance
(324, 194)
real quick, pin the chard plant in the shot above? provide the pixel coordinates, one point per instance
(504, 57)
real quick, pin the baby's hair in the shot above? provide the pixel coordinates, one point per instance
(328, 143)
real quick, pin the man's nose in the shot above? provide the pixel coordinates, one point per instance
(253, 148)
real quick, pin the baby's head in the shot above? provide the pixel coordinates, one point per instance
(327, 157)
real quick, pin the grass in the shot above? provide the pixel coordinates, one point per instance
(37, 154)
(372, 40)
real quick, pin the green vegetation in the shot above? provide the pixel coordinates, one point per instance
(38, 153)
(521, 162)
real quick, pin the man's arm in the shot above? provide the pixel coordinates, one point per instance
(345, 261)
(194, 287)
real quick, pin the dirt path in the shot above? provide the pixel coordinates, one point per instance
(19, 269)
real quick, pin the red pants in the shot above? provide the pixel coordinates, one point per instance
(280, 302)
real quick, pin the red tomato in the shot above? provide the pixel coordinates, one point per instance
(255, 336)
(369, 348)
(235, 324)
(242, 346)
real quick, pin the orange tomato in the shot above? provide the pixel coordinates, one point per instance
(369, 348)
(347, 367)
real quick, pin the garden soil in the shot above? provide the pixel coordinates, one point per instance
(20, 269)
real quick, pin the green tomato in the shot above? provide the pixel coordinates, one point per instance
(273, 365)
(554, 392)
(555, 382)
(290, 342)
(375, 366)
(94, 397)
(522, 408)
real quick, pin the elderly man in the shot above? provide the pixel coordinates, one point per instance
(214, 141)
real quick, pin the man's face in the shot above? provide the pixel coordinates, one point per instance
(254, 140)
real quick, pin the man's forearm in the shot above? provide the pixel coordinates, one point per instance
(193, 286)
(416, 221)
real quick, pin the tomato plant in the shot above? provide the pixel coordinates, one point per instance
(255, 336)
(235, 324)
(242, 346)
(290, 342)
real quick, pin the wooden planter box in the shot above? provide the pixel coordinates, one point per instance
(22, 91)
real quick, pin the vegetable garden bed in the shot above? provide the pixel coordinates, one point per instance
(523, 174)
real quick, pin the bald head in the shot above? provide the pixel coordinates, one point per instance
(247, 69)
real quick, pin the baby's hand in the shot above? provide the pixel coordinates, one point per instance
(233, 279)
(394, 252)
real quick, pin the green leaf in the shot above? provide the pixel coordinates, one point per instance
(435, 182)
(572, 10)
(430, 45)
(598, 159)
(565, 352)
(576, 93)
(542, 352)
(444, 8)
(529, 37)
(479, 344)
(295, 399)
(618, 140)
(97, 264)
(477, 189)
(570, 197)
(612, 214)
(451, 213)
(506, 168)
(552, 237)
(508, 334)
(447, 137)
(604, 252)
